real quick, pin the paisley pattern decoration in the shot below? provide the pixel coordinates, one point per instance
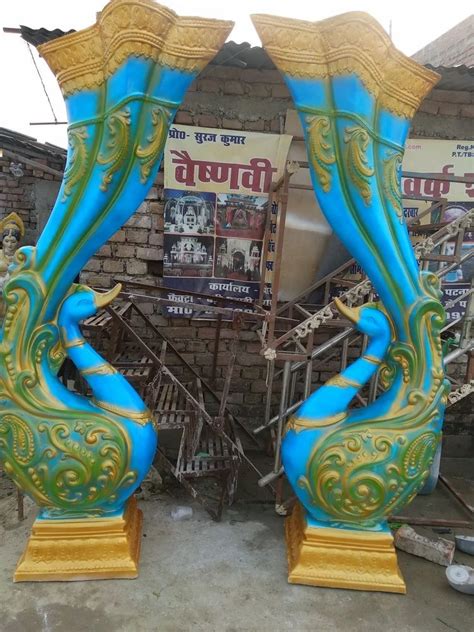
(123, 80)
(350, 467)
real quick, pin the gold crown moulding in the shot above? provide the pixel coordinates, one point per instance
(345, 44)
(140, 28)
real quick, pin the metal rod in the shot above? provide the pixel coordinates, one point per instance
(345, 348)
(266, 240)
(431, 522)
(281, 416)
(216, 346)
(459, 497)
(229, 311)
(324, 347)
(309, 367)
(272, 421)
(281, 221)
(438, 176)
(373, 385)
(270, 478)
(268, 402)
(165, 288)
(48, 123)
(230, 368)
(184, 390)
(292, 386)
(442, 177)
(28, 45)
(456, 353)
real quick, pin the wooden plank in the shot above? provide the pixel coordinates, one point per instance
(164, 390)
(174, 406)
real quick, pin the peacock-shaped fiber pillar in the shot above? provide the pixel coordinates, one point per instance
(351, 468)
(79, 458)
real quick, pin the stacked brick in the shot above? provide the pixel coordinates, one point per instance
(445, 114)
(17, 194)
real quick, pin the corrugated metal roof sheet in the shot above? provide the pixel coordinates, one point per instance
(28, 144)
(245, 56)
(41, 35)
(454, 77)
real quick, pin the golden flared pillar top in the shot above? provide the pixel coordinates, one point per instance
(140, 28)
(350, 43)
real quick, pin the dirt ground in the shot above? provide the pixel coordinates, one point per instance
(231, 577)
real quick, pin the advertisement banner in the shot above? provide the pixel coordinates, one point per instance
(215, 213)
(450, 157)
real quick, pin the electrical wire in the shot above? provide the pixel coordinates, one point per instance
(42, 82)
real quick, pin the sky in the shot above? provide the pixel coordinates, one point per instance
(414, 23)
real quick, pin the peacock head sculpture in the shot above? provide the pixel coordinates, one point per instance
(368, 319)
(84, 302)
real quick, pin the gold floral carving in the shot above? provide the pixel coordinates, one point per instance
(392, 166)
(118, 127)
(77, 163)
(149, 154)
(320, 148)
(351, 43)
(357, 165)
(140, 28)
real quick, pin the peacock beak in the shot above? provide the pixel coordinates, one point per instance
(102, 299)
(348, 312)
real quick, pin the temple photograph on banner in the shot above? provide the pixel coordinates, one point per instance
(241, 216)
(188, 256)
(238, 259)
(189, 212)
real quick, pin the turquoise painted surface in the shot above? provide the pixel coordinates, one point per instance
(77, 456)
(351, 468)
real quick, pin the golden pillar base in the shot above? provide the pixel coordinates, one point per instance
(340, 558)
(75, 550)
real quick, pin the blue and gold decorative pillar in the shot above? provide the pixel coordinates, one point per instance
(351, 468)
(81, 459)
